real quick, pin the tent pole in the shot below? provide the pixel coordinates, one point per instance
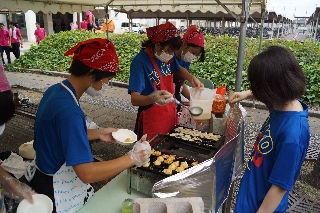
(242, 39)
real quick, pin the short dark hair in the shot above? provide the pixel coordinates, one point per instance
(37, 23)
(174, 43)
(7, 108)
(80, 69)
(12, 23)
(1, 24)
(202, 55)
(276, 77)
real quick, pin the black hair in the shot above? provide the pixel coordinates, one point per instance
(80, 69)
(37, 23)
(174, 43)
(7, 108)
(1, 24)
(202, 56)
(276, 77)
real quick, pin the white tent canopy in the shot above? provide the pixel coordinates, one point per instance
(63, 6)
(44, 6)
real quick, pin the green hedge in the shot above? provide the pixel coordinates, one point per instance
(220, 64)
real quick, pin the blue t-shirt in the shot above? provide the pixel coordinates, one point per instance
(143, 74)
(178, 80)
(60, 133)
(277, 157)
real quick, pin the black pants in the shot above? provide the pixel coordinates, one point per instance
(16, 49)
(5, 49)
(43, 184)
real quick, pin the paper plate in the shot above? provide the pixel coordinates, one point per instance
(41, 204)
(122, 135)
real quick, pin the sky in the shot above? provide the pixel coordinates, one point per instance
(289, 8)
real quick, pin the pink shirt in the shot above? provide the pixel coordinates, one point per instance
(84, 25)
(74, 27)
(18, 35)
(40, 33)
(4, 84)
(4, 38)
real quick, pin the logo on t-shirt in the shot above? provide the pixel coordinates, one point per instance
(263, 145)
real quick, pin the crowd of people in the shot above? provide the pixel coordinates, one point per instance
(157, 75)
(107, 26)
(11, 40)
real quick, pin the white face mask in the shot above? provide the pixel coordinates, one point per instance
(164, 57)
(93, 92)
(2, 127)
(188, 57)
(104, 88)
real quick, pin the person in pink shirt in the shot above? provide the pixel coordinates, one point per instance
(40, 33)
(16, 37)
(83, 24)
(5, 43)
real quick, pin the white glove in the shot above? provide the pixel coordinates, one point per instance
(161, 97)
(15, 189)
(140, 154)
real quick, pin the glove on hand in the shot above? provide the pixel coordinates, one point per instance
(17, 190)
(140, 154)
(161, 97)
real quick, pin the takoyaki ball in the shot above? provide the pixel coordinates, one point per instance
(172, 166)
(179, 169)
(157, 153)
(160, 158)
(165, 156)
(157, 163)
(194, 163)
(146, 164)
(177, 163)
(167, 171)
(172, 156)
(168, 161)
(184, 165)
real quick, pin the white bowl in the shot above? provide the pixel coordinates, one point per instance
(122, 134)
(41, 204)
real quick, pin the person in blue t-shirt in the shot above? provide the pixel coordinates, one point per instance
(64, 161)
(277, 80)
(192, 46)
(151, 80)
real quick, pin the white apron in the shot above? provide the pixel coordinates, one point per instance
(70, 193)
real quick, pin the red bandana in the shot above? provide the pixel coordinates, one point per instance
(97, 53)
(162, 32)
(193, 36)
